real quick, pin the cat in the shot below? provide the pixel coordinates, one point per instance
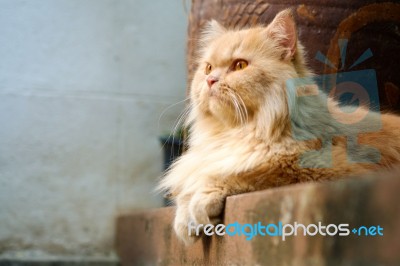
(244, 126)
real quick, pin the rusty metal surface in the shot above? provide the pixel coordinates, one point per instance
(367, 24)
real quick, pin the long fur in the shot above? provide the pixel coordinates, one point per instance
(249, 132)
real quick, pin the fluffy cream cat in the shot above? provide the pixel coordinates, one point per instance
(242, 123)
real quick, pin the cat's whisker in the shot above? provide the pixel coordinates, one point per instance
(178, 122)
(244, 108)
(242, 118)
(239, 108)
(169, 107)
(182, 118)
(236, 104)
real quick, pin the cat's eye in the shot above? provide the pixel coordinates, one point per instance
(240, 64)
(208, 69)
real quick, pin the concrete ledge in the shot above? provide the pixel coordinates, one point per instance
(147, 238)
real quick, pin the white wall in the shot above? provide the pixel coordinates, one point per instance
(82, 86)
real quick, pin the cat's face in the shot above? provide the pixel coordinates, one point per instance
(240, 70)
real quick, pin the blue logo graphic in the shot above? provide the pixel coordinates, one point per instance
(354, 111)
(282, 230)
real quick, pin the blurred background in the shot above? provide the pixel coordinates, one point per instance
(83, 85)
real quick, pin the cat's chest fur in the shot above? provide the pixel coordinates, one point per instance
(234, 151)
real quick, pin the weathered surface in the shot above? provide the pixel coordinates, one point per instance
(147, 238)
(365, 23)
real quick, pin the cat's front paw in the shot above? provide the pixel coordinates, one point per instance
(181, 227)
(206, 207)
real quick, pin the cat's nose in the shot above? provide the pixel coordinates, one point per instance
(211, 80)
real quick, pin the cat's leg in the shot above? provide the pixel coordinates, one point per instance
(182, 220)
(207, 204)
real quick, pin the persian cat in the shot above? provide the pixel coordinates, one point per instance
(249, 131)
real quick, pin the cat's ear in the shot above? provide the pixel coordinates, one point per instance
(212, 30)
(283, 29)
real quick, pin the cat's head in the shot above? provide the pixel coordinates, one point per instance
(242, 73)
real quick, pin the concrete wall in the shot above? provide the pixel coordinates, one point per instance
(82, 86)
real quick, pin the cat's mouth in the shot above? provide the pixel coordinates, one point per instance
(214, 93)
(220, 98)
(217, 95)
